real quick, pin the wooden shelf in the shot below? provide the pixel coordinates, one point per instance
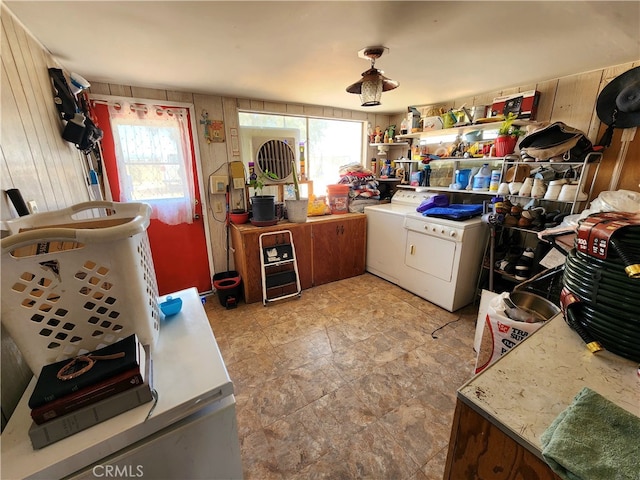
(463, 129)
(393, 144)
(249, 191)
(447, 190)
(469, 159)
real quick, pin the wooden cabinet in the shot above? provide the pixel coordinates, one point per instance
(503, 412)
(339, 249)
(478, 450)
(327, 249)
(246, 254)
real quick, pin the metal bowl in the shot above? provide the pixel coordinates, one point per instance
(530, 305)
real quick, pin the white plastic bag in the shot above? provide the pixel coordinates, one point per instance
(614, 201)
(497, 333)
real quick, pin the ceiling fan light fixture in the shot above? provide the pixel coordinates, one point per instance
(373, 82)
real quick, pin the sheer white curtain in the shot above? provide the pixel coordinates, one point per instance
(154, 157)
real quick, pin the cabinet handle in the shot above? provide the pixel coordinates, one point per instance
(337, 229)
(342, 229)
(412, 250)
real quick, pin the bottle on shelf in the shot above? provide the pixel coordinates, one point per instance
(303, 173)
(482, 179)
(404, 129)
(415, 152)
(495, 180)
(386, 170)
(426, 177)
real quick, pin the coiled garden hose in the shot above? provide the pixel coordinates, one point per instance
(602, 296)
(630, 261)
(572, 319)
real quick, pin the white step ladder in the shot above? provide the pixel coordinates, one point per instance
(280, 278)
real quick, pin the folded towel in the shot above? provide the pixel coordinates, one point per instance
(432, 202)
(455, 211)
(593, 439)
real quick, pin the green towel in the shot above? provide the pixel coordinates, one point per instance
(593, 439)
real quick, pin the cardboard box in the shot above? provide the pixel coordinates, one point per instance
(431, 123)
(524, 104)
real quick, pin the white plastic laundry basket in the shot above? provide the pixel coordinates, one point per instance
(78, 279)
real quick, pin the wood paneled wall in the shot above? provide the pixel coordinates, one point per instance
(34, 158)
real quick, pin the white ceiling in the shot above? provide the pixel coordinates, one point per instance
(306, 51)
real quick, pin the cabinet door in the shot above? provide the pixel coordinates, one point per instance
(250, 256)
(326, 251)
(302, 242)
(353, 245)
(477, 445)
(339, 249)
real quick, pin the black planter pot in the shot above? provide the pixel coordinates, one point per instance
(263, 208)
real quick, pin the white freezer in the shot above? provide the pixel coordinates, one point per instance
(192, 432)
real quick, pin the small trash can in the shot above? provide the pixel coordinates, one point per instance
(228, 287)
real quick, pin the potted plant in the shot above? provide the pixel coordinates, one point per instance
(263, 206)
(508, 134)
(296, 208)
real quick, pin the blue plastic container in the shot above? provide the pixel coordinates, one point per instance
(171, 306)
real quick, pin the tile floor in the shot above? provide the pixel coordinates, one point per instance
(345, 382)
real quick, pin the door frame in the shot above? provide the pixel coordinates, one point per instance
(196, 153)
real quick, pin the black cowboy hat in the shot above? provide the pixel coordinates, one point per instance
(619, 102)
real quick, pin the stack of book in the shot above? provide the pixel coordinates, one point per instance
(75, 394)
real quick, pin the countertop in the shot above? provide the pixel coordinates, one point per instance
(526, 389)
(284, 224)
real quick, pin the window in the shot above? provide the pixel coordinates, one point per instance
(329, 143)
(154, 159)
(151, 162)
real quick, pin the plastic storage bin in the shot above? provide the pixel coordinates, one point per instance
(78, 279)
(338, 196)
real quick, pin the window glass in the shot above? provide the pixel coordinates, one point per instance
(152, 162)
(155, 159)
(332, 143)
(329, 143)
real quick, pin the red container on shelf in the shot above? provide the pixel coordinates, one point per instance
(338, 196)
(505, 145)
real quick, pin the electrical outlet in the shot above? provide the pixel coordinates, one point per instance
(32, 206)
(218, 184)
(218, 207)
